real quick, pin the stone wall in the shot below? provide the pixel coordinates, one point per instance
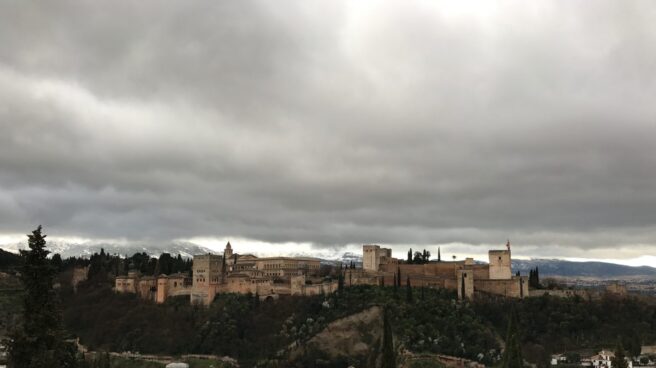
(299, 287)
(79, 275)
(516, 287)
(465, 284)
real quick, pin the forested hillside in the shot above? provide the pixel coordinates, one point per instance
(423, 320)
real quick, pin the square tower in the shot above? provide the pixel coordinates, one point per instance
(500, 267)
(372, 256)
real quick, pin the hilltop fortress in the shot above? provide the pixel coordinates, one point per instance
(274, 276)
(467, 276)
(232, 273)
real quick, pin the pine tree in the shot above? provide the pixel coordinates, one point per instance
(39, 341)
(619, 361)
(512, 355)
(57, 261)
(389, 358)
(408, 290)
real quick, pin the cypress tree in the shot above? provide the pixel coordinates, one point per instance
(619, 361)
(408, 290)
(389, 358)
(39, 341)
(439, 255)
(512, 355)
(340, 282)
(410, 255)
(398, 277)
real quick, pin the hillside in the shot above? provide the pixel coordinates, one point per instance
(601, 270)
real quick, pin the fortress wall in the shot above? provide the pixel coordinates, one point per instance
(465, 284)
(79, 275)
(281, 289)
(564, 293)
(450, 284)
(480, 271)
(425, 281)
(442, 269)
(125, 285)
(146, 287)
(515, 287)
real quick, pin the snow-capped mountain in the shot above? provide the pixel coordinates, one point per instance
(601, 270)
(66, 249)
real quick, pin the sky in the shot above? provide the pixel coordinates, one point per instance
(324, 125)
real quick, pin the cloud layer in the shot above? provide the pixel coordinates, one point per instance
(332, 123)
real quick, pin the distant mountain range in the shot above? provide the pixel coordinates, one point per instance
(85, 250)
(601, 270)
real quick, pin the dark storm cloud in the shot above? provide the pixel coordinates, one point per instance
(330, 123)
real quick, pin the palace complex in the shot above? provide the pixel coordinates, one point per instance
(274, 276)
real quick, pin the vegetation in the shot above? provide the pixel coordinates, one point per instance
(39, 341)
(534, 279)
(618, 361)
(512, 354)
(389, 356)
(554, 325)
(418, 257)
(237, 326)
(9, 261)
(424, 321)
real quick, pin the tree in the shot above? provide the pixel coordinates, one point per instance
(632, 344)
(619, 360)
(410, 255)
(389, 358)
(418, 258)
(39, 341)
(512, 355)
(57, 261)
(408, 290)
(439, 255)
(340, 281)
(398, 276)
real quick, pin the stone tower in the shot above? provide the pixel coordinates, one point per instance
(500, 267)
(465, 282)
(227, 253)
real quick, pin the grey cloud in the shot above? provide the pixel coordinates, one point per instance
(330, 122)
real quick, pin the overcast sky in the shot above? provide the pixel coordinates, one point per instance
(332, 124)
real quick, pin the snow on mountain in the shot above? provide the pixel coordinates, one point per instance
(66, 249)
(601, 270)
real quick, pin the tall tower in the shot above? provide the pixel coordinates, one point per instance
(500, 263)
(227, 253)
